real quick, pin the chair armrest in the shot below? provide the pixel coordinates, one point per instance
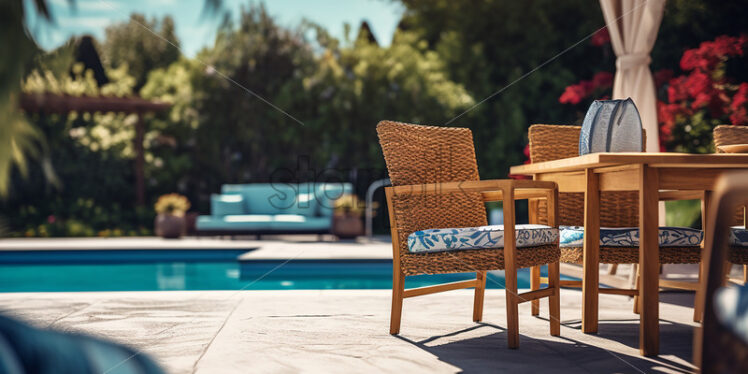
(491, 190)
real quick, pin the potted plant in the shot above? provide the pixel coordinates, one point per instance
(346, 221)
(170, 209)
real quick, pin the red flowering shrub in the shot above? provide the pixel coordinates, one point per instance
(691, 104)
(703, 97)
(575, 93)
(739, 109)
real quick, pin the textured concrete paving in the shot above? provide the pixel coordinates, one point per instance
(346, 331)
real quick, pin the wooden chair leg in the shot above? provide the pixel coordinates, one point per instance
(398, 287)
(554, 301)
(638, 287)
(510, 271)
(613, 269)
(512, 310)
(698, 301)
(480, 290)
(728, 270)
(535, 285)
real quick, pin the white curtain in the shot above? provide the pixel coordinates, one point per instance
(633, 26)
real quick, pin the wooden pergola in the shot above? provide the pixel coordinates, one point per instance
(48, 103)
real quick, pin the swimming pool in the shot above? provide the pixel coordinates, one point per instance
(134, 270)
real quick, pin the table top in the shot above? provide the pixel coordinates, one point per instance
(653, 159)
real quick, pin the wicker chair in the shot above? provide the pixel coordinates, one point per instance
(617, 209)
(718, 346)
(435, 184)
(728, 135)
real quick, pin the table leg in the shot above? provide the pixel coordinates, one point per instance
(590, 280)
(698, 302)
(649, 261)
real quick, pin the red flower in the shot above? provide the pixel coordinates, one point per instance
(711, 53)
(573, 94)
(692, 60)
(51, 219)
(741, 97)
(600, 38)
(602, 80)
(676, 90)
(667, 113)
(739, 115)
(699, 86)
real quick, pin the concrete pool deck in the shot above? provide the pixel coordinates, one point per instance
(342, 331)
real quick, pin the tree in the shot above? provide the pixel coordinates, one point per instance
(489, 46)
(327, 97)
(132, 44)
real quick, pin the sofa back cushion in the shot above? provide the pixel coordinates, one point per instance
(228, 204)
(265, 198)
(306, 203)
(307, 199)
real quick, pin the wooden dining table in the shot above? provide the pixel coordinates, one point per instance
(651, 174)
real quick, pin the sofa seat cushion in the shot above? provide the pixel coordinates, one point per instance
(263, 222)
(297, 222)
(238, 222)
(738, 236)
(483, 237)
(731, 307)
(573, 236)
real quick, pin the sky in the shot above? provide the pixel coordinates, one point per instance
(196, 30)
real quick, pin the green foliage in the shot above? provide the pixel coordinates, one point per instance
(91, 154)
(264, 100)
(223, 133)
(142, 45)
(683, 213)
(696, 135)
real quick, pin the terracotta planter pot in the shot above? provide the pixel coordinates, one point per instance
(169, 226)
(347, 226)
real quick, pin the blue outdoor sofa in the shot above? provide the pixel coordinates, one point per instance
(272, 208)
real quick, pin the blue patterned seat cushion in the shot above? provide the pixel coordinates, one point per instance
(483, 237)
(731, 307)
(738, 236)
(573, 236)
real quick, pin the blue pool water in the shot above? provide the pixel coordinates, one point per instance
(60, 271)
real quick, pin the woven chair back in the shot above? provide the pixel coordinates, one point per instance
(417, 154)
(553, 142)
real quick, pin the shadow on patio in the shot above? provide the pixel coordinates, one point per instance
(489, 352)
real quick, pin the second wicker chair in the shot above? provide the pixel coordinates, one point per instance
(619, 217)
